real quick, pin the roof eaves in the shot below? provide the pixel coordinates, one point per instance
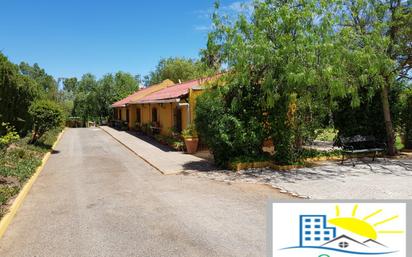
(155, 101)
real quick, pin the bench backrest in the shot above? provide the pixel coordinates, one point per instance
(358, 142)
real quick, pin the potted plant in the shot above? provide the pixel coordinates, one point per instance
(191, 140)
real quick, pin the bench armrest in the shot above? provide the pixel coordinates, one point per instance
(347, 147)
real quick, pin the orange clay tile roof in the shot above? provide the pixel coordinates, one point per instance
(172, 92)
(142, 93)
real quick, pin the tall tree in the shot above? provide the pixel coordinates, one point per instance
(124, 84)
(92, 98)
(70, 84)
(284, 51)
(376, 40)
(84, 102)
(176, 69)
(305, 54)
(46, 81)
(16, 94)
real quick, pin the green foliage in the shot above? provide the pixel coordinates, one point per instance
(21, 160)
(174, 142)
(10, 135)
(230, 124)
(280, 57)
(282, 127)
(92, 98)
(309, 56)
(16, 94)
(327, 134)
(7, 192)
(70, 84)
(45, 115)
(18, 164)
(45, 81)
(407, 120)
(313, 153)
(177, 69)
(367, 117)
(189, 132)
(372, 41)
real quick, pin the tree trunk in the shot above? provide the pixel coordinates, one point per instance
(388, 121)
(34, 138)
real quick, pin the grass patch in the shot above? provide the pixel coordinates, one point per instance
(328, 134)
(18, 163)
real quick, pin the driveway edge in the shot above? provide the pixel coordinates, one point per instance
(18, 201)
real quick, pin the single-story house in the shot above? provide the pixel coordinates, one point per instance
(170, 109)
(121, 111)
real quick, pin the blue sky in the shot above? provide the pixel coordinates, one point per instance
(70, 38)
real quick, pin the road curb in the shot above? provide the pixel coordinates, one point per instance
(18, 201)
(130, 149)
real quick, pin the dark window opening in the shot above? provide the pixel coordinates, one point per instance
(138, 117)
(154, 115)
(178, 120)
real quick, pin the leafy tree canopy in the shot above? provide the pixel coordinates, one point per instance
(16, 94)
(47, 82)
(176, 69)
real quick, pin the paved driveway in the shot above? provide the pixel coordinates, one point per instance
(96, 198)
(163, 158)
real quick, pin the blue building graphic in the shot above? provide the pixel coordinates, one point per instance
(313, 230)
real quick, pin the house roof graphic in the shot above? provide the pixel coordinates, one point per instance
(345, 242)
(375, 244)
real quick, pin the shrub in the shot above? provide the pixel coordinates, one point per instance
(174, 142)
(229, 123)
(9, 137)
(45, 115)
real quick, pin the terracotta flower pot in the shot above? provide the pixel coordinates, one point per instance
(191, 144)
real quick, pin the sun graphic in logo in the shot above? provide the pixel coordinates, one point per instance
(361, 226)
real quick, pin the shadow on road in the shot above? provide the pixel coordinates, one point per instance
(202, 166)
(151, 141)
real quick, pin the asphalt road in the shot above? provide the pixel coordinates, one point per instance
(96, 198)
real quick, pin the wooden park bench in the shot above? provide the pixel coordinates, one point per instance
(359, 145)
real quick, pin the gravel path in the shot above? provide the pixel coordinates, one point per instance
(382, 179)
